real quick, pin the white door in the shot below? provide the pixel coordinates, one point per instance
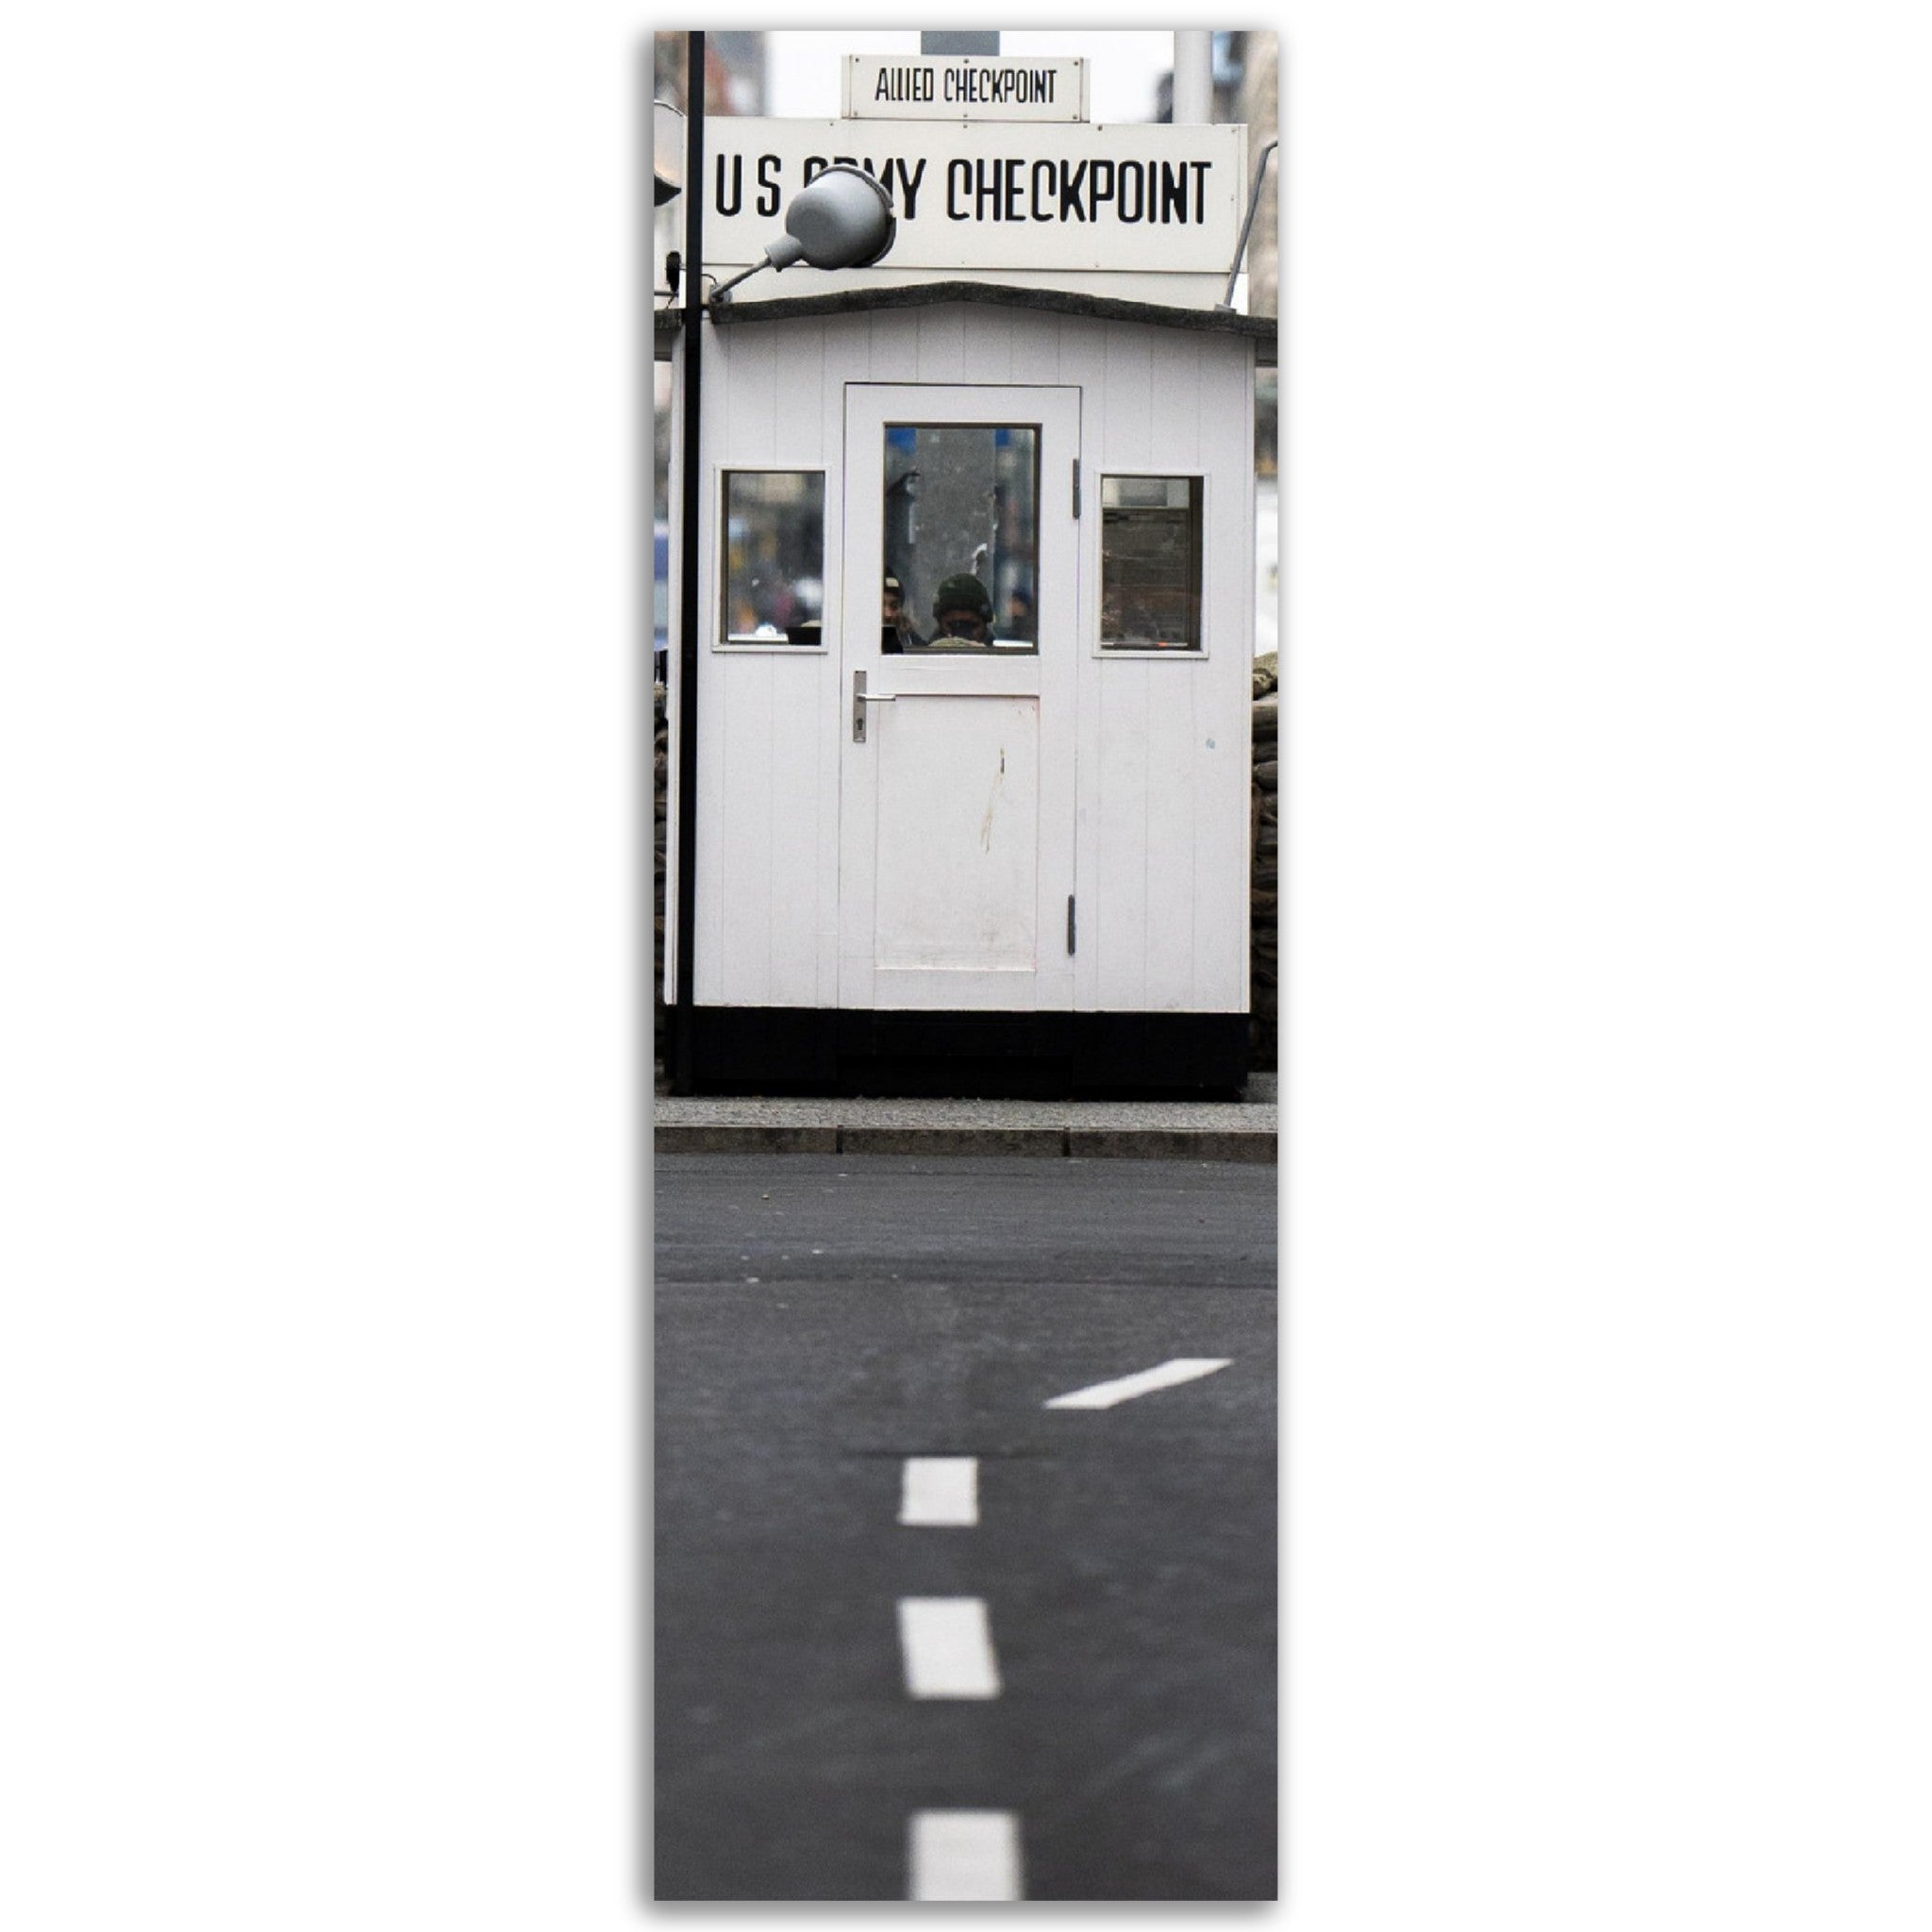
(955, 824)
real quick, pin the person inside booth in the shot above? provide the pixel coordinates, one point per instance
(894, 619)
(1019, 624)
(961, 612)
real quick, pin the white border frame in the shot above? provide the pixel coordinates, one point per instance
(1198, 654)
(721, 535)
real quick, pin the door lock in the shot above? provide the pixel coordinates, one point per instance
(859, 701)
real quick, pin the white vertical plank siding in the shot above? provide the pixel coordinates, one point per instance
(792, 831)
(894, 346)
(797, 750)
(713, 695)
(1221, 887)
(1181, 712)
(1128, 696)
(767, 821)
(1176, 430)
(1161, 825)
(989, 343)
(942, 345)
(745, 813)
(1034, 348)
(1166, 851)
(1120, 912)
(849, 351)
(1133, 368)
(1083, 360)
(797, 422)
(750, 432)
(675, 548)
(1221, 836)
(1173, 788)
(1092, 688)
(1075, 348)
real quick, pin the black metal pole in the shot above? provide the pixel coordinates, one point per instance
(683, 1017)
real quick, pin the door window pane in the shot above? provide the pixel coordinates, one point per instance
(962, 537)
(1150, 563)
(775, 556)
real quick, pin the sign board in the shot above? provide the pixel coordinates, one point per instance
(890, 86)
(1144, 197)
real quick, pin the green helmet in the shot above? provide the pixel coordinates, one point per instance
(963, 593)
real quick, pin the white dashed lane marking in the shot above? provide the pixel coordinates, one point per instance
(958, 1857)
(946, 1643)
(947, 1647)
(1123, 1389)
(941, 1492)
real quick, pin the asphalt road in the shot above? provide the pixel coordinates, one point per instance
(821, 1319)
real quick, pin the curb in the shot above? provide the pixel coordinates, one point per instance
(1253, 1146)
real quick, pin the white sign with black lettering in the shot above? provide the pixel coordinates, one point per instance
(1141, 197)
(888, 86)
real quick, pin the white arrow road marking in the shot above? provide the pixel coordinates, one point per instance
(941, 1492)
(1184, 1368)
(948, 1648)
(964, 1856)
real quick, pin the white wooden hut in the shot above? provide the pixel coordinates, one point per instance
(1014, 862)
(999, 843)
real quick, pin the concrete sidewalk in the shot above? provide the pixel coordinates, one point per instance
(1085, 1129)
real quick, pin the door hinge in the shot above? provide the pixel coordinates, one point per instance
(1070, 921)
(1077, 512)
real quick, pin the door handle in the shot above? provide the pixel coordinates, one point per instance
(860, 699)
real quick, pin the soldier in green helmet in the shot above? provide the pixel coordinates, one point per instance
(961, 610)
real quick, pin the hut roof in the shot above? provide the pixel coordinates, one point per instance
(1260, 330)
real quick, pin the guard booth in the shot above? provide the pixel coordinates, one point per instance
(975, 594)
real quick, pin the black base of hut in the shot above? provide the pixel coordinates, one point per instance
(789, 1050)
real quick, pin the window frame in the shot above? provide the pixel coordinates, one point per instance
(721, 562)
(1098, 647)
(993, 648)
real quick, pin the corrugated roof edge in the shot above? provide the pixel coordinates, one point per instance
(1261, 329)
